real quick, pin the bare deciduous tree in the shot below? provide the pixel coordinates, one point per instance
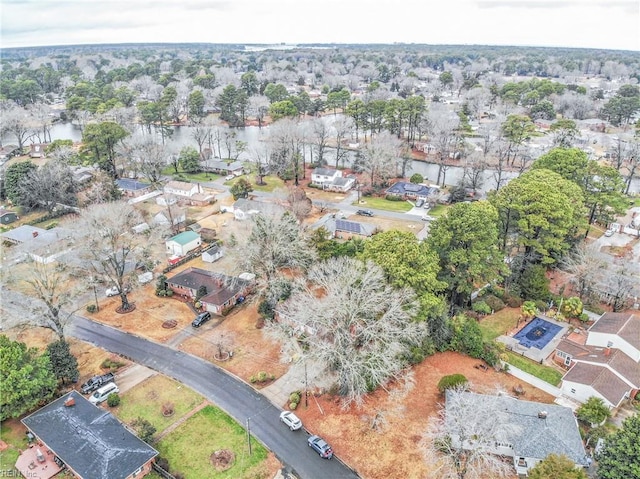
(351, 320)
(15, 121)
(584, 264)
(109, 246)
(48, 186)
(343, 127)
(381, 156)
(49, 284)
(458, 443)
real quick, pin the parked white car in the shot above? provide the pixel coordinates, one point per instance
(229, 177)
(291, 420)
(114, 291)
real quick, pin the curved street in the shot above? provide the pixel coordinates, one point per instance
(230, 394)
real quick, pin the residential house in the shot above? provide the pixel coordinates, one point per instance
(411, 191)
(181, 244)
(8, 151)
(132, 188)
(234, 168)
(531, 431)
(8, 217)
(182, 189)
(243, 209)
(213, 254)
(187, 193)
(43, 246)
(86, 439)
(83, 174)
(37, 150)
(223, 292)
(320, 176)
(605, 362)
(344, 229)
(172, 215)
(341, 185)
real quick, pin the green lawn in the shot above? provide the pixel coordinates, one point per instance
(383, 204)
(546, 373)
(438, 210)
(499, 323)
(15, 437)
(146, 400)
(189, 447)
(272, 182)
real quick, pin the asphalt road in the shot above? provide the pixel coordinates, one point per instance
(230, 394)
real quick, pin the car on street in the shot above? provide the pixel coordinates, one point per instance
(364, 212)
(320, 446)
(95, 382)
(290, 420)
(201, 319)
(608, 233)
(427, 218)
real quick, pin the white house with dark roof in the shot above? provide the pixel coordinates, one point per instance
(332, 180)
(182, 189)
(86, 439)
(243, 209)
(533, 430)
(605, 363)
(405, 190)
(43, 246)
(132, 188)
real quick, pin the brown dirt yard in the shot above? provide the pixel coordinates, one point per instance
(392, 450)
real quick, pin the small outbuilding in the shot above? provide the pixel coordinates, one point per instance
(181, 244)
(8, 217)
(213, 254)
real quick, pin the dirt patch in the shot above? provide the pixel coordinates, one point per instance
(252, 350)
(381, 439)
(222, 459)
(150, 314)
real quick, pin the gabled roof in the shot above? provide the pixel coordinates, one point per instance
(535, 437)
(185, 237)
(253, 206)
(223, 165)
(599, 378)
(131, 185)
(625, 325)
(220, 287)
(23, 234)
(6, 212)
(89, 439)
(354, 227)
(402, 188)
(180, 185)
(616, 359)
(324, 172)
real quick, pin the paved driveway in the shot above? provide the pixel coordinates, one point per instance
(232, 395)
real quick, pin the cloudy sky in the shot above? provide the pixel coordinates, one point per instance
(608, 24)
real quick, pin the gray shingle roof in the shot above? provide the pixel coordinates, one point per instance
(625, 325)
(89, 439)
(324, 172)
(535, 437)
(131, 185)
(599, 378)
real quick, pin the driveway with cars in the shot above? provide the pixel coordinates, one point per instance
(238, 399)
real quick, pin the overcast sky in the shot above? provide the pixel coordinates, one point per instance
(608, 24)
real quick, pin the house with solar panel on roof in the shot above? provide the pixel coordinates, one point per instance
(87, 441)
(411, 191)
(345, 229)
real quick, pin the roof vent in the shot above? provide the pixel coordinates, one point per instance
(70, 402)
(542, 415)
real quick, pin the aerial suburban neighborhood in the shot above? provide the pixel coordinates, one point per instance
(375, 260)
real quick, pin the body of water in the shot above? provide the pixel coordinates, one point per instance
(253, 136)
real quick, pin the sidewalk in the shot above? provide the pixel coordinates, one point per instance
(294, 380)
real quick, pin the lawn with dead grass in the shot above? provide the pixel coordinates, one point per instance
(392, 448)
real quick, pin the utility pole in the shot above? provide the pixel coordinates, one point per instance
(306, 391)
(249, 436)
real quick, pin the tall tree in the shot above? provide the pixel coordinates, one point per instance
(620, 456)
(593, 411)
(63, 363)
(362, 327)
(26, 377)
(540, 214)
(13, 177)
(517, 129)
(196, 104)
(466, 242)
(460, 441)
(100, 141)
(408, 263)
(564, 133)
(381, 156)
(48, 187)
(110, 247)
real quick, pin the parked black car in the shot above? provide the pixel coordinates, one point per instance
(201, 319)
(364, 212)
(95, 382)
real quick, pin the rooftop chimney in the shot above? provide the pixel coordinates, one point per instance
(70, 402)
(607, 351)
(542, 415)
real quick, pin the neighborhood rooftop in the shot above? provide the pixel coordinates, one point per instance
(89, 439)
(625, 325)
